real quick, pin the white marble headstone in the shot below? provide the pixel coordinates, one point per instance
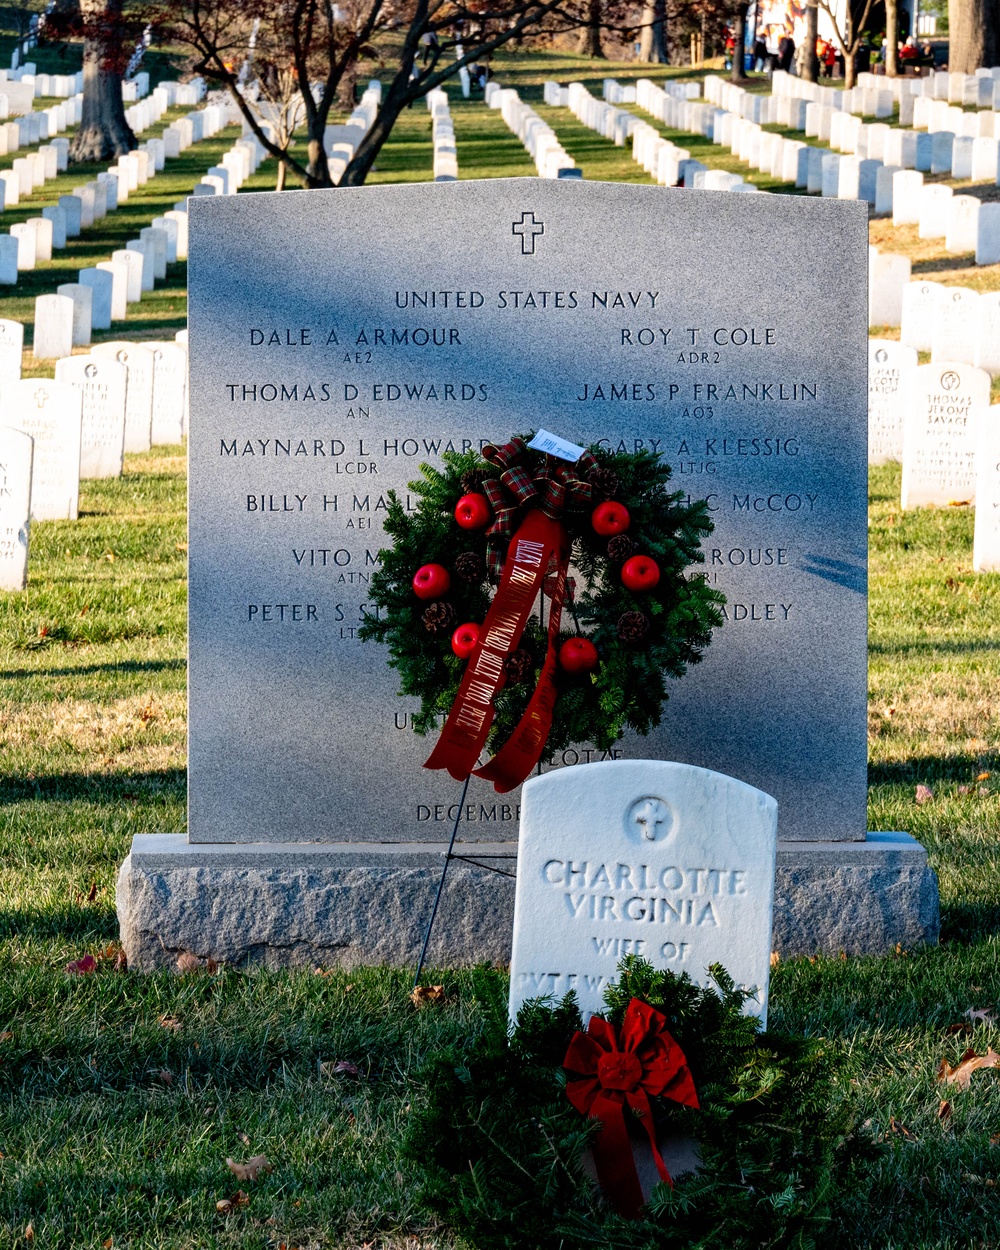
(169, 376)
(102, 383)
(54, 317)
(15, 499)
(939, 434)
(645, 857)
(139, 398)
(953, 334)
(11, 347)
(51, 413)
(889, 365)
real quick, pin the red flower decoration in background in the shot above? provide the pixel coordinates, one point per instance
(605, 1072)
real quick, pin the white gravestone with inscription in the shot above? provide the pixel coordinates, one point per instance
(641, 857)
(169, 382)
(298, 431)
(138, 359)
(11, 347)
(102, 383)
(51, 413)
(889, 364)
(15, 502)
(939, 434)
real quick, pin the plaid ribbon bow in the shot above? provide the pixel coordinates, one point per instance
(552, 487)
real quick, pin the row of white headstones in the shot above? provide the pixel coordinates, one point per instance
(121, 397)
(937, 420)
(539, 139)
(67, 319)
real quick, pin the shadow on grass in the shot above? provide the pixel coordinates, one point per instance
(968, 923)
(123, 666)
(67, 921)
(95, 787)
(974, 646)
(926, 768)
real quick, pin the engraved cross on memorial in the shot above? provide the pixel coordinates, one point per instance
(528, 229)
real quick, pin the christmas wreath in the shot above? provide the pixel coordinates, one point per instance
(515, 518)
(501, 1129)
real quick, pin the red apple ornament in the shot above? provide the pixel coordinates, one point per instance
(464, 639)
(431, 581)
(640, 573)
(578, 655)
(610, 518)
(472, 512)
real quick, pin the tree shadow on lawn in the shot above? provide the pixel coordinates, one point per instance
(95, 787)
(928, 769)
(119, 666)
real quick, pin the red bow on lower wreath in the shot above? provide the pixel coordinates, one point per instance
(605, 1073)
(539, 545)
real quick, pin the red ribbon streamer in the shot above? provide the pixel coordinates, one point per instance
(605, 1072)
(538, 539)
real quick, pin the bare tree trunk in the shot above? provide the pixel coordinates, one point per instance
(740, 38)
(319, 168)
(973, 34)
(653, 43)
(279, 182)
(892, 38)
(590, 35)
(809, 60)
(345, 88)
(104, 132)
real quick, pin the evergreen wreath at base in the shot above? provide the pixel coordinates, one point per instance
(497, 1146)
(636, 619)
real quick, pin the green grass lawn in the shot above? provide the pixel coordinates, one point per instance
(123, 1095)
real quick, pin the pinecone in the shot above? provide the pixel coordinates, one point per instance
(439, 618)
(603, 481)
(473, 479)
(633, 627)
(620, 548)
(518, 665)
(470, 567)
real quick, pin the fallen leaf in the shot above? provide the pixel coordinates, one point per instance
(170, 1022)
(924, 794)
(211, 966)
(899, 952)
(248, 1171)
(427, 994)
(238, 1199)
(983, 777)
(92, 892)
(82, 967)
(186, 962)
(961, 1073)
(995, 1139)
(322, 972)
(6, 1037)
(29, 1232)
(181, 547)
(243, 1138)
(345, 1067)
(775, 959)
(108, 1242)
(963, 1027)
(900, 1129)
(166, 1076)
(981, 1015)
(944, 1110)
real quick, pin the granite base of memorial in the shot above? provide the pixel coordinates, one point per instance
(287, 904)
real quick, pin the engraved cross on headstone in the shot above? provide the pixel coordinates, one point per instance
(528, 229)
(40, 397)
(649, 817)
